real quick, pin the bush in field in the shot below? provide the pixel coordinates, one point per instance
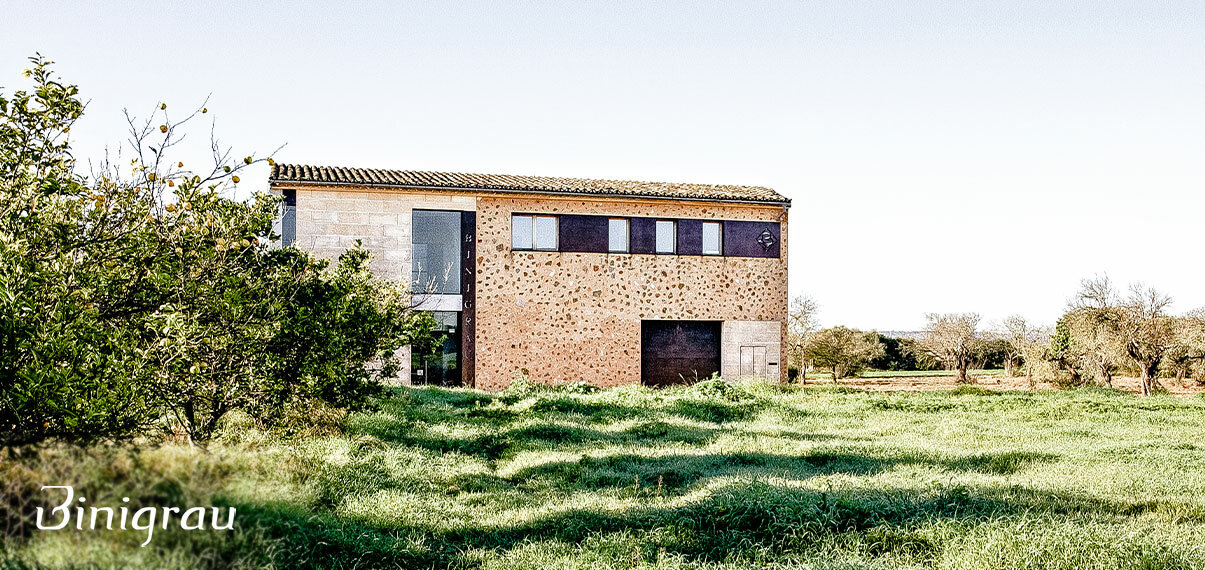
(144, 289)
(844, 351)
(903, 354)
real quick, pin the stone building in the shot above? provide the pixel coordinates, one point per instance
(563, 279)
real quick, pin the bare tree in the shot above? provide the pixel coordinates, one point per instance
(1029, 344)
(1146, 331)
(801, 323)
(1188, 352)
(952, 339)
(1092, 321)
(1013, 330)
(843, 350)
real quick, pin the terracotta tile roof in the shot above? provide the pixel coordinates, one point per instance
(286, 173)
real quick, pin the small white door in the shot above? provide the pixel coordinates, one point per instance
(753, 361)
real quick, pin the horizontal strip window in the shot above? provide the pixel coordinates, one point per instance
(533, 232)
(586, 233)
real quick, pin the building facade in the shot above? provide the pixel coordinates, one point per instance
(562, 279)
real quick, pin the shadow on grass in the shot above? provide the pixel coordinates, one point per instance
(484, 426)
(680, 471)
(726, 526)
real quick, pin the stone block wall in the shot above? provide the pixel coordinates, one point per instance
(759, 340)
(330, 220)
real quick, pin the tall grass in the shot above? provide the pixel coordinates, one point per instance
(714, 476)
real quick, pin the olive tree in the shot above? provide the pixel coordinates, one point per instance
(1092, 321)
(952, 339)
(1188, 351)
(1137, 325)
(1146, 332)
(1029, 346)
(844, 351)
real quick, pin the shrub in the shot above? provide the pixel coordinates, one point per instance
(970, 390)
(716, 388)
(580, 387)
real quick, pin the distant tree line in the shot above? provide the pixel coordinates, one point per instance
(1102, 334)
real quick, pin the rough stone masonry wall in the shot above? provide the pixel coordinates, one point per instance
(565, 317)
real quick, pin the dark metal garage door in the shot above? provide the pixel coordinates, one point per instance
(677, 352)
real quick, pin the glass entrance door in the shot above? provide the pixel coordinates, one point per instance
(439, 366)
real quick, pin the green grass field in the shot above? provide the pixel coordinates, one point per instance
(712, 476)
(821, 375)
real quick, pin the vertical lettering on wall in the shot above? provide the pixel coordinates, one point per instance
(468, 293)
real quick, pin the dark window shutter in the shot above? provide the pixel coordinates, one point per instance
(587, 234)
(752, 239)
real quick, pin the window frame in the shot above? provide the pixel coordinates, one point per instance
(514, 218)
(673, 224)
(556, 232)
(719, 251)
(627, 235)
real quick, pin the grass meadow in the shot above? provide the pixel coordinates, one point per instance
(711, 476)
(822, 375)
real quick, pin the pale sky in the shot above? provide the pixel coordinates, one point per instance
(941, 156)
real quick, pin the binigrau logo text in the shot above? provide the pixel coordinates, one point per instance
(144, 519)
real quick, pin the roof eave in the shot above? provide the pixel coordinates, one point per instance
(785, 202)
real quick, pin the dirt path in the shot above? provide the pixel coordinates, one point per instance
(920, 383)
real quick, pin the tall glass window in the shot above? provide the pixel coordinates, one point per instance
(713, 238)
(667, 236)
(435, 241)
(533, 232)
(439, 364)
(618, 238)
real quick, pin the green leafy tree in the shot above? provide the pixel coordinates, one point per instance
(68, 368)
(844, 351)
(1065, 353)
(145, 290)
